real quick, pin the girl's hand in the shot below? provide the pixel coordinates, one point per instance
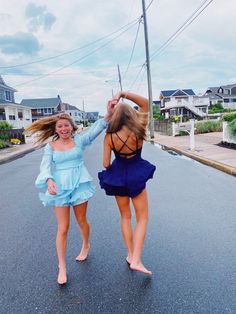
(110, 108)
(51, 187)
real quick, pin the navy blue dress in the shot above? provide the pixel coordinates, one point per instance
(128, 173)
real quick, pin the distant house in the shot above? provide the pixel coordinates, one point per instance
(225, 95)
(41, 107)
(92, 116)
(183, 103)
(76, 114)
(16, 114)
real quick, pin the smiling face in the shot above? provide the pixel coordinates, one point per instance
(63, 128)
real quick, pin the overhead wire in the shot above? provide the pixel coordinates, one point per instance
(70, 51)
(188, 22)
(77, 60)
(132, 52)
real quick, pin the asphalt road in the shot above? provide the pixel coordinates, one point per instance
(190, 244)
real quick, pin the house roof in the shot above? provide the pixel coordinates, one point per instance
(4, 103)
(213, 92)
(41, 102)
(5, 86)
(177, 92)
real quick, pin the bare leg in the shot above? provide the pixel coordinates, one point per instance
(80, 212)
(63, 221)
(126, 226)
(140, 203)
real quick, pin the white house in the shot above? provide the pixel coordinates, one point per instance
(225, 95)
(16, 114)
(184, 103)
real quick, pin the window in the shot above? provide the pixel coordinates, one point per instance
(226, 100)
(12, 117)
(8, 95)
(49, 110)
(20, 114)
(38, 110)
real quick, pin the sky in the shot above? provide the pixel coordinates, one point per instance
(72, 48)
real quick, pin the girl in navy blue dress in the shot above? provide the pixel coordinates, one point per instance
(126, 177)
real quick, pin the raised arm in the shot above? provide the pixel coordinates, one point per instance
(99, 125)
(141, 101)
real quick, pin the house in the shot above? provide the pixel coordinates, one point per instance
(42, 107)
(184, 103)
(18, 115)
(225, 95)
(77, 115)
(92, 116)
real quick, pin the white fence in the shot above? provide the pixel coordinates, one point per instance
(227, 136)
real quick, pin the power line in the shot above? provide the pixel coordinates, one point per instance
(132, 52)
(76, 61)
(149, 5)
(70, 51)
(188, 22)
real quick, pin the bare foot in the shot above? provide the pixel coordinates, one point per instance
(140, 267)
(62, 278)
(128, 259)
(83, 253)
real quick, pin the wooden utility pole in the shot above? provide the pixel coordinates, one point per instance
(119, 76)
(151, 123)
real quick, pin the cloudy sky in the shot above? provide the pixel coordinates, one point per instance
(72, 48)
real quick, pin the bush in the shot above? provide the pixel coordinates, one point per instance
(2, 144)
(229, 116)
(232, 127)
(183, 133)
(4, 137)
(5, 125)
(15, 141)
(208, 126)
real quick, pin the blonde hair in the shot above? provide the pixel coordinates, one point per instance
(46, 127)
(125, 115)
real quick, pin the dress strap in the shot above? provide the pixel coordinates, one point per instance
(124, 143)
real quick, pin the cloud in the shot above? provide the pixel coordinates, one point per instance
(37, 17)
(23, 43)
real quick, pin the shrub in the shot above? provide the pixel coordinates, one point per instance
(2, 144)
(229, 116)
(15, 141)
(232, 126)
(5, 125)
(183, 133)
(4, 137)
(208, 126)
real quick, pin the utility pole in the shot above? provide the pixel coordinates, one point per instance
(83, 114)
(119, 76)
(151, 123)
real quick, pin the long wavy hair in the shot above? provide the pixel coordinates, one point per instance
(46, 127)
(125, 115)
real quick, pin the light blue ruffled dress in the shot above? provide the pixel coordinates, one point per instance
(67, 170)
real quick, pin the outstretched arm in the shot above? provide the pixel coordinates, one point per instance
(141, 101)
(99, 125)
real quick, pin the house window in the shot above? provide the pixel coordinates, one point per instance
(12, 117)
(233, 99)
(49, 110)
(38, 110)
(20, 114)
(226, 100)
(8, 95)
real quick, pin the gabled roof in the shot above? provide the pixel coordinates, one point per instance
(41, 102)
(5, 86)
(11, 104)
(177, 92)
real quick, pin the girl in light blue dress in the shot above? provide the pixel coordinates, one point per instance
(65, 178)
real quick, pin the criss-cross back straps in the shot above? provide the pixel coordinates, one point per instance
(124, 143)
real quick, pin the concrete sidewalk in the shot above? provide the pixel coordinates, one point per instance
(207, 150)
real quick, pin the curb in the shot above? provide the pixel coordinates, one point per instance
(17, 155)
(215, 164)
